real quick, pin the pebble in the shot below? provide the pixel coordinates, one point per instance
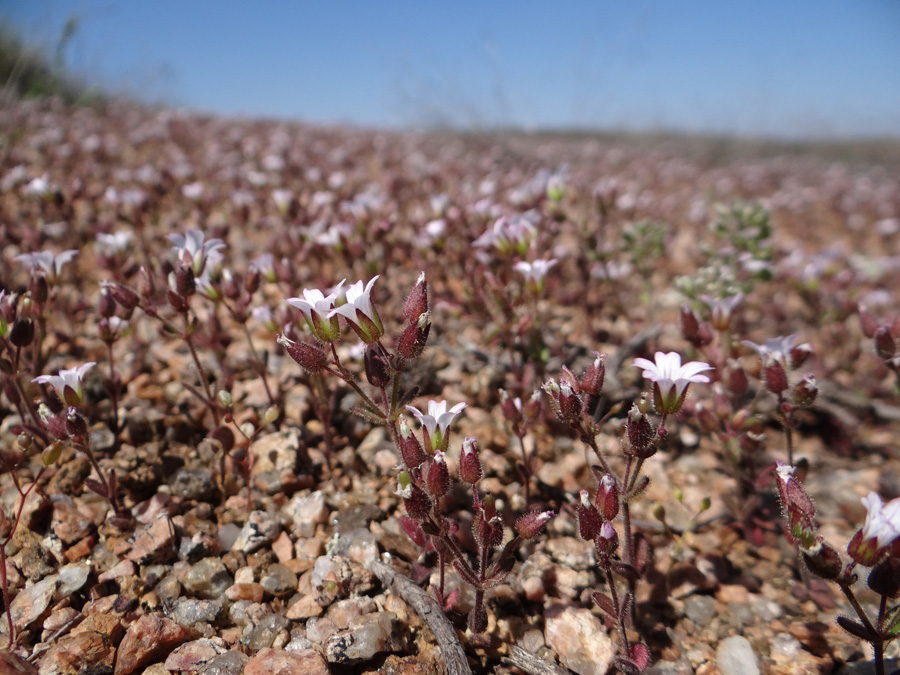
(258, 531)
(77, 653)
(344, 612)
(147, 640)
(252, 592)
(201, 545)
(263, 634)
(194, 484)
(680, 667)
(367, 635)
(358, 544)
(33, 602)
(207, 579)
(305, 512)
(228, 534)
(194, 655)
(319, 630)
(230, 663)
(15, 665)
(735, 656)
(767, 610)
(279, 580)
(190, 611)
(700, 609)
(153, 543)
(280, 662)
(579, 639)
(275, 452)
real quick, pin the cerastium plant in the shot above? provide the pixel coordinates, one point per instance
(876, 546)
(624, 557)
(424, 480)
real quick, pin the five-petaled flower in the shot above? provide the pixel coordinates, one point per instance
(671, 379)
(317, 310)
(46, 261)
(882, 520)
(436, 422)
(721, 309)
(535, 271)
(193, 249)
(68, 383)
(360, 312)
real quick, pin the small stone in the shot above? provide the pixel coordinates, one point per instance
(305, 512)
(367, 635)
(283, 548)
(279, 662)
(77, 653)
(263, 634)
(319, 630)
(303, 608)
(194, 484)
(680, 667)
(739, 614)
(31, 603)
(767, 610)
(279, 581)
(579, 639)
(344, 612)
(125, 568)
(228, 534)
(153, 543)
(10, 664)
(358, 544)
(258, 531)
(735, 656)
(201, 545)
(207, 579)
(149, 639)
(700, 609)
(231, 662)
(252, 592)
(275, 452)
(194, 655)
(191, 611)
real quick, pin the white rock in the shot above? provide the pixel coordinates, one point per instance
(735, 656)
(579, 639)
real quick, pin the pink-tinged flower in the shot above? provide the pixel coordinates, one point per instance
(436, 422)
(881, 529)
(68, 383)
(779, 348)
(671, 379)
(508, 234)
(535, 271)
(193, 249)
(46, 261)
(360, 313)
(721, 309)
(317, 310)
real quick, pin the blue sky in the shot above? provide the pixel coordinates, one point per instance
(795, 68)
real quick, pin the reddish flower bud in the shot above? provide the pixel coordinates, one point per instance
(106, 304)
(690, 326)
(230, 286)
(823, 560)
(438, 477)
(592, 380)
(252, 280)
(799, 354)
(470, 469)
(775, 377)
(310, 357)
(641, 435)
(885, 345)
(414, 338)
(571, 404)
(377, 372)
(606, 542)
(177, 302)
(22, 333)
(531, 524)
(511, 408)
(884, 578)
(417, 302)
(868, 322)
(410, 449)
(589, 519)
(804, 392)
(418, 503)
(145, 285)
(707, 419)
(56, 426)
(76, 425)
(224, 436)
(608, 497)
(40, 291)
(736, 377)
(185, 284)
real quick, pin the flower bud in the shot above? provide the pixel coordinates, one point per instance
(273, 412)
(868, 322)
(185, 284)
(225, 398)
(608, 497)
(224, 436)
(410, 449)
(417, 302)
(804, 392)
(76, 425)
(736, 377)
(531, 524)
(592, 380)
(40, 291)
(124, 296)
(589, 519)
(106, 304)
(823, 560)
(799, 354)
(230, 287)
(418, 503)
(438, 477)
(310, 357)
(376, 367)
(252, 280)
(885, 345)
(470, 469)
(176, 301)
(708, 421)
(570, 403)
(414, 337)
(641, 435)
(690, 325)
(145, 285)
(884, 578)
(775, 377)
(50, 454)
(22, 333)
(606, 542)
(508, 406)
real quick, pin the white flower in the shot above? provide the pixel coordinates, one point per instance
(316, 308)
(68, 383)
(111, 244)
(721, 309)
(193, 249)
(437, 421)
(535, 271)
(282, 199)
(882, 520)
(48, 262)
(778, 348)
(360, 312)
(671, 378)
(39, 186)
